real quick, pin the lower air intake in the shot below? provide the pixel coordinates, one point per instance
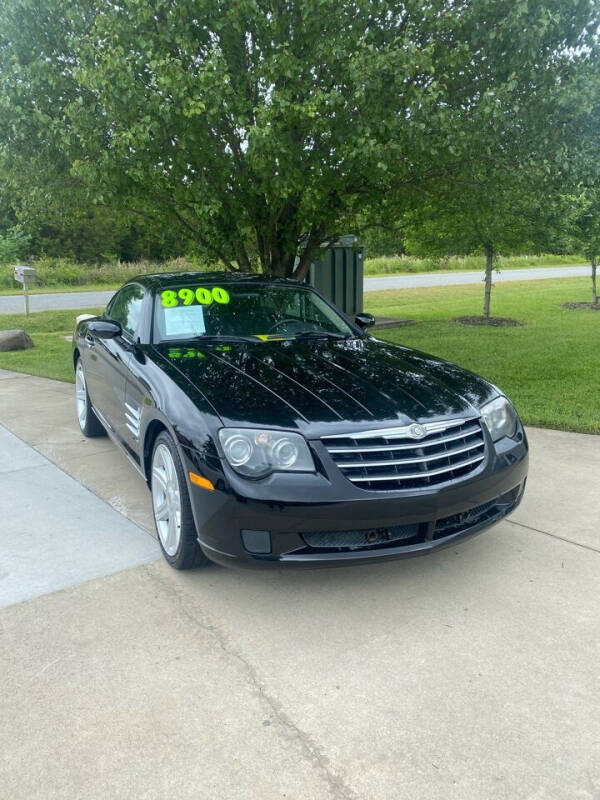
(355, 540)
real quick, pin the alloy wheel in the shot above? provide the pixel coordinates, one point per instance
(81, 395)
(166, 499)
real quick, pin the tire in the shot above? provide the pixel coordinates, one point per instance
(171, 507)
(88, 421)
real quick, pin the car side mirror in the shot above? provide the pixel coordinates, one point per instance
(104, 328)
(364, 320)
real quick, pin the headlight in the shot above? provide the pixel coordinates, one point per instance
(500, 418)
(256, 453)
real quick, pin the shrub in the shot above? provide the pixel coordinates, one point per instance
(396, 264)
(63, 272)
(14, 245)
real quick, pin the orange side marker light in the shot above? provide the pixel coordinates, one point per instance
(204, 483)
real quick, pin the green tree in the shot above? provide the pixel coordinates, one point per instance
(58, 215)
(585, 228)
(382, 238)
(14, 245)
(488, 210)
(510, 196)
(263, 128)
(581, 219)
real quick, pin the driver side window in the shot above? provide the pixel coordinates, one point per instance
(293, 310)
(300, 309)
(126, 307)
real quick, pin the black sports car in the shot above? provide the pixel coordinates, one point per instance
(270, 428)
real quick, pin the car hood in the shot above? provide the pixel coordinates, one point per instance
(320, 386)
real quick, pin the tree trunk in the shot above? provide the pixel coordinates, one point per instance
(489, 265)
(594, 285)
(307, 255)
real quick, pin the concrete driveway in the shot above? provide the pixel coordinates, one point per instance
(14, 304)
(472, 673)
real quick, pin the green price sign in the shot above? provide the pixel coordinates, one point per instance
(171, 298)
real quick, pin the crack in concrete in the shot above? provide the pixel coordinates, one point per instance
(24, 469)
(339, 789)
(554, 536)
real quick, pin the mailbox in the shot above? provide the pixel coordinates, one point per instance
(24, 274)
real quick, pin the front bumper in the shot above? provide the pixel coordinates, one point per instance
(391, 524)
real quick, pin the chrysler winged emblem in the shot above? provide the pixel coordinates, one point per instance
(417, 431)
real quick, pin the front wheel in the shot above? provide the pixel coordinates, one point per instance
(88, 422)
(171, 506)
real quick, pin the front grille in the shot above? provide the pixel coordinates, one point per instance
(361, 539)
(394, 459)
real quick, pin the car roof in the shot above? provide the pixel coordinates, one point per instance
(162, 280)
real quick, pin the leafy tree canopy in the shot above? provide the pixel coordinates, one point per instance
(263, 128)
(486, 210)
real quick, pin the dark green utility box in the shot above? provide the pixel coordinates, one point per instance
(338, 274)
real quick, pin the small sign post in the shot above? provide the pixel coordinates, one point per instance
(26, 276)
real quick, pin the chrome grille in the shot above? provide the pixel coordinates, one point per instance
(414, 456)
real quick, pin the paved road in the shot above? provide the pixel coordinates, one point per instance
(471, 674)
(455, 278)
(77, 300)
(14, 304)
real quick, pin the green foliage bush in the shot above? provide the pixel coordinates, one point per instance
(62, 272)
(14, 245)
(389, 265)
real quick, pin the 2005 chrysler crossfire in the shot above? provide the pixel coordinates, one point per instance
(272, 429)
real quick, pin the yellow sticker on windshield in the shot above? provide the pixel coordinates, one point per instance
(171, 298)
(184, 352)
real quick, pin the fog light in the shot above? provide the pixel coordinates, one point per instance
(258, 542)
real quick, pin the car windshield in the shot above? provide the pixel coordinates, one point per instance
(267, 311)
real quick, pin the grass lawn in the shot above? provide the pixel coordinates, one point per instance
(51, 356)
(550, 368)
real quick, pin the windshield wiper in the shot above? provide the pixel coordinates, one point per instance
(209, 339)
(319, 335)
